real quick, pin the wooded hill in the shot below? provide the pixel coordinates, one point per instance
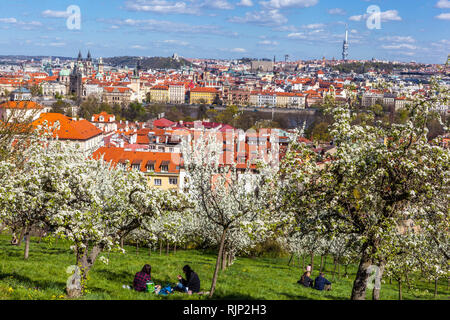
(147, 63)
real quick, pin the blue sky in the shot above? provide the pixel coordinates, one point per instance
(416, 30)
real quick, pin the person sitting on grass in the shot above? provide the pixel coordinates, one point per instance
(320, 283)
(306, 280)
(192, 282)
(141, 278)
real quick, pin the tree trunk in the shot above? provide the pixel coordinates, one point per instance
(321, 263)
(121, 243)
(325, 264)
(137, 248)
(224, 260)
(216, 271)
(160, 247)
(41, 233)
(339, 270)
(85, 261)
(230, 259)
(360, 283)
(290, 259)
(312, 262)
(334, 271)
(27, 245)
(149, 249)
(303, 264)
(400, 290)
(22, 233)
(167, 247)
(377, 285)
(174, 248)
(345, 271)
(435, 287)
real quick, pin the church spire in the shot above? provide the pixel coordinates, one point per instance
(89, 56)
(80, 57)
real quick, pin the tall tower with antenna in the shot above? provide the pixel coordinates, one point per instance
(345, 46)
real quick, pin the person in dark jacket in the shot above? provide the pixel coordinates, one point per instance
(141, 278)
(306, 280)
(192, 282)
(320, 283)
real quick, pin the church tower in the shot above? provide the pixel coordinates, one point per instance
(100, 66)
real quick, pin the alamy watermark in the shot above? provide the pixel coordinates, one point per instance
(374, 279)
(73, 17)
(374, 17)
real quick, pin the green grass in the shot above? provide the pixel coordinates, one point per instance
(43, 276)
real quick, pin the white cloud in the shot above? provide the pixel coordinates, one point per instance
(443, 4)
(176, 42)
(264, 18)
(23, 25)
(238, 50)
(8, 20)
(337, 11)
(399, 46)
(314, 26)
(297, 35)
(164, 26)
(278, 4)
(55, 14)
(245, 3)
(268, 43)
(57, 44)
(161, 6)
(402, 39)
(138, 47)
(443, 16)
(389, 15)
(218, 4)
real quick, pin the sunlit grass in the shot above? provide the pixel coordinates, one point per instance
(43, 276)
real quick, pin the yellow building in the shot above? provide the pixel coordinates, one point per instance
(283, 99)
(162, 169)
(203, 95)
(159, 94)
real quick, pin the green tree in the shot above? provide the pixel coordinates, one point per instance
(36, 90)
(321, 132)
(230, 115)
(61, 107)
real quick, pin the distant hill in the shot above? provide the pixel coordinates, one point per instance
(359, 67)
(147, 63)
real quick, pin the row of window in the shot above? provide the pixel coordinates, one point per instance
(172, 181)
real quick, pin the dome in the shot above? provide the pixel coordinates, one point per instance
(64, 72)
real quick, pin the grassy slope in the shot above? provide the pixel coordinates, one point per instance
(246, 279)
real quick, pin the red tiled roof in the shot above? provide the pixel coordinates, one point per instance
(69, 129)
(116, 155)
(21, 105)
(163, 122)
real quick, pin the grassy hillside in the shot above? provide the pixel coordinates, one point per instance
(44, 276)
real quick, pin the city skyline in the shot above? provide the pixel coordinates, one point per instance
(221, 29)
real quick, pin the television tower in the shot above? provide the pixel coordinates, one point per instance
(345, 46)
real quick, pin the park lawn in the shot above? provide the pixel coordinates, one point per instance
(43, 276)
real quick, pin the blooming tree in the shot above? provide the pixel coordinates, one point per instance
(227, 201)
(376, 172)
(90, 202)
